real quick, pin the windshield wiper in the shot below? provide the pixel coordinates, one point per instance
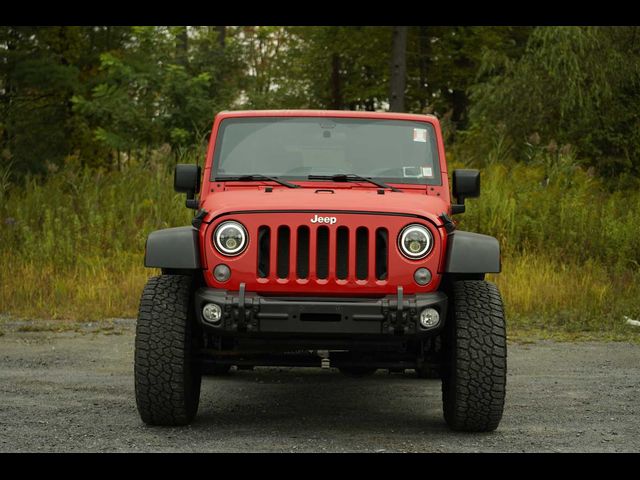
(253, 177)
(352, 177)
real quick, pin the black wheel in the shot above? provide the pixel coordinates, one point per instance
(167, 381)
(358, 371)
(474, 377)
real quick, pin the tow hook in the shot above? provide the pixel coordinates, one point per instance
(325, 359)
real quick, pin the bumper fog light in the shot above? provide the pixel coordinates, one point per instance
(212, 313)
(429, 318)
(422, 276)
(222, 273)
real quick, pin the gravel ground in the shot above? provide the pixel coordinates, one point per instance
(72, 391)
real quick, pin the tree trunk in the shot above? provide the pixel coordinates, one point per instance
(459, 103)
(182, 46)
(13, 40)
(398, 80)
(424, 61)
(222, 35)
(336, 90)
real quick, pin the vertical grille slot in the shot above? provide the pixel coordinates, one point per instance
(302, 253)
(322, 252)
(264, 246)
(342, 253)
(382, 253)
(362, 253)
(284, 240)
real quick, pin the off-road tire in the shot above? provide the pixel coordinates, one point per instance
(167, 381)
(357, 371)
(474, 378)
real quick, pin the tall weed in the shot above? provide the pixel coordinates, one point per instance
(72, 245)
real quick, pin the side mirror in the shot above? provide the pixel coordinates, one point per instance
(186, 179)
(466, 184)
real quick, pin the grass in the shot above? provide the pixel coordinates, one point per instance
(541, 293)
(545, 299)
(71, 246)
(102, 288)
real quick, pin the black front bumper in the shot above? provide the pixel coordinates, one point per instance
(250, 313)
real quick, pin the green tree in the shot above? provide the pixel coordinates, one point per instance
(273, 68)
(38, 76)
(41, 69)
(163, 88)
(344, 67)
(124, 108)
(443, 63)
(574, 85)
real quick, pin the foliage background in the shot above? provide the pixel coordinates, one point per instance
(92, 120)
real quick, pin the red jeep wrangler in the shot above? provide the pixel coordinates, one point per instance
(323, 239)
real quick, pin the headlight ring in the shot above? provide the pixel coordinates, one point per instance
(230, 238)
(415, 241)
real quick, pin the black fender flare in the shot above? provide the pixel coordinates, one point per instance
(469, 252)
(173, 248)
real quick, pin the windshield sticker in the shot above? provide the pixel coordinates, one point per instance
(411, 172)
(427, 172)
(420, 135)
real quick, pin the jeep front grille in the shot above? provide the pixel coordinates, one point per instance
(321, 253)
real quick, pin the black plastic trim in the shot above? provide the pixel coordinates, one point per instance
(469, 252)
(173, 248)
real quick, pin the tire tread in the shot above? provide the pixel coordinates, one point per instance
(473, 390)
(167, 384)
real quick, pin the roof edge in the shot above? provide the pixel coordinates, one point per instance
(326, 113)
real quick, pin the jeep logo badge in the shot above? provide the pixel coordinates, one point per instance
(329, 220)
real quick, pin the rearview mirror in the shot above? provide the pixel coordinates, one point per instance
(186, 179)
(466, 184)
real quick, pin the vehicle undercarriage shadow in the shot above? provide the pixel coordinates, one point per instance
(291, 400)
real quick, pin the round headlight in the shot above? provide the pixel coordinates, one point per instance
(230, 238)
(415, 241)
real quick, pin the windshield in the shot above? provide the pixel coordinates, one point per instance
(396, 151)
